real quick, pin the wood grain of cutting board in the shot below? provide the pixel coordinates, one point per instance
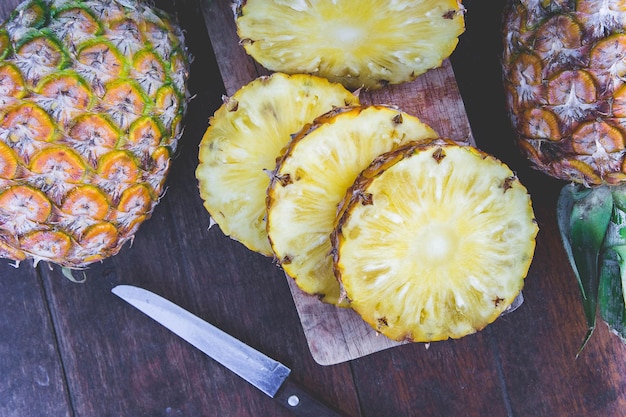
(336, 335)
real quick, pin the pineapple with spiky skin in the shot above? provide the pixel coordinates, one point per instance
(563, 67)
(363, 43)
(433, 241)
(92, 96)
(564, 79)
(245, 136)
(311, 178)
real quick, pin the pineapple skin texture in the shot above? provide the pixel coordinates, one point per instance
(564, 81)
(92, 95)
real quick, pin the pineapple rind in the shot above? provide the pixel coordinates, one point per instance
(440, 245)
(56, 106)
(311, 178)
(360, 44)
(565, 59)
(245, 136)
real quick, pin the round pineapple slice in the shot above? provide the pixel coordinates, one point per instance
(433, 241)
(360, 43)
(311, 179)
(245, 136)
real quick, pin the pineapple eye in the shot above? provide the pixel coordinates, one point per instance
(22, 201)
(74, 25)
(597, 137)
(92, 136)
(100, 63)
(86, 200)
(99, 237)
(149, 72)
(382, 322)
(58, 162)
(46, 244)
(28, 122)
(438, 155)
(365, 199)
(8, 250)
(39, 57)
(32, 16)
(145, 133)
(167, 100)
(135, 199)
(124, 103)
(118, 166)
(64, 97)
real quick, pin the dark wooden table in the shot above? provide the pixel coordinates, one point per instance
(69, 349)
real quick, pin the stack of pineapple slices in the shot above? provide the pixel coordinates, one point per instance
(365, 207)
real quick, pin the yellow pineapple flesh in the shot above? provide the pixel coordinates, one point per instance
(92, 96)
(311, 178)
(433, 241)
(360, 43)
(246, 135)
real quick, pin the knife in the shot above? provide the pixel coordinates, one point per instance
(263, 372)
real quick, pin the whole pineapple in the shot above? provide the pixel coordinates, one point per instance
(564, 68)
(92, 93)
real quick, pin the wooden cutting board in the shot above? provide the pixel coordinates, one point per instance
(334, 334)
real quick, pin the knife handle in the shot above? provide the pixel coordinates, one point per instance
(301, 403)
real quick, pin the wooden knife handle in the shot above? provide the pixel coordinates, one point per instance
(301, 403)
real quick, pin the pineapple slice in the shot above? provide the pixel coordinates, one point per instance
(246, 134)
(433, 241)
(359, 43)
(312, 177)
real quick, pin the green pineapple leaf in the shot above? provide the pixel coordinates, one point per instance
(583, 216)
(611, 292)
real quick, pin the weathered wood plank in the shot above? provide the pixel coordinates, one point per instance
(32, 382)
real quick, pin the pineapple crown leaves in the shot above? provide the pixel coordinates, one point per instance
(592, 225)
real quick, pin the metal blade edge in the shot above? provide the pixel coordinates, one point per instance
(261, 371)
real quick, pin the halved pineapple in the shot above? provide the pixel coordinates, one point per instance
(433, 241)
(360, 43)
(312, 177)
(245, 136)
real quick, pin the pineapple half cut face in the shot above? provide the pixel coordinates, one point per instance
(359, 43)
(433, 241)
(92, 95)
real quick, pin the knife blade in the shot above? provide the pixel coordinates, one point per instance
(263, 372)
